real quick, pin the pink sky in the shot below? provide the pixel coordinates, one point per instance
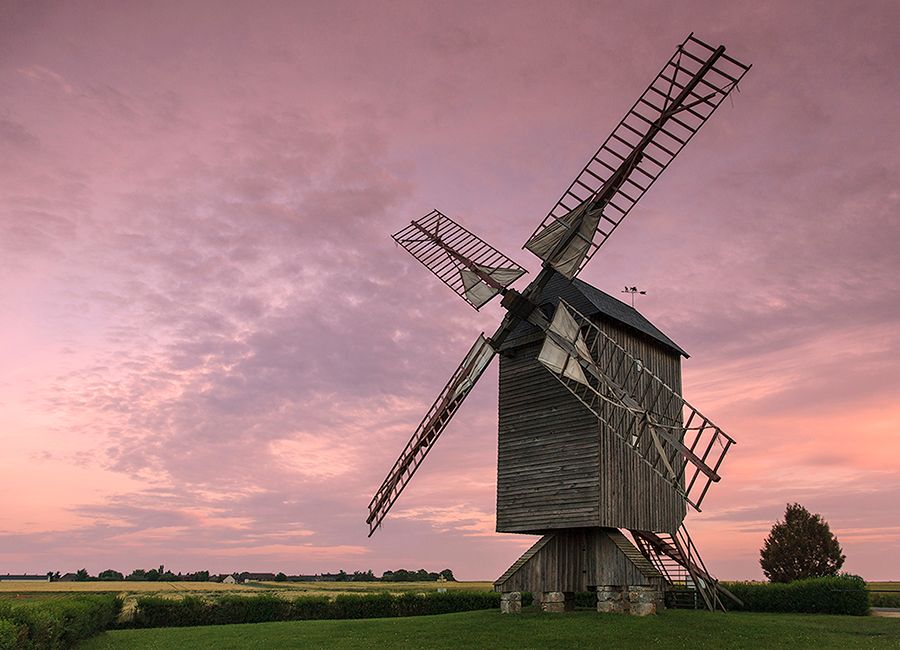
(211, 351)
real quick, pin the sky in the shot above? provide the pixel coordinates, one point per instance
(211, 351)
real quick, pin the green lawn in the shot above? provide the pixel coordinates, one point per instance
(490, 629)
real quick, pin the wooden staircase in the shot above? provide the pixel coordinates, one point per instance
(677, 559)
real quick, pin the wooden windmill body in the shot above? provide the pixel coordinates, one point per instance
(598, 451)
(563, 475)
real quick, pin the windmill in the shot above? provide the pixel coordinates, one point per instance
(598, 451)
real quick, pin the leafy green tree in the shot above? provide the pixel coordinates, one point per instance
(802, 546)
(447, 575)
(82, 575)
(280, 577)
(138, 575)
(110, 574)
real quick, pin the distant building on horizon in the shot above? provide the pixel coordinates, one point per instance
(258, 577)
(25, 577)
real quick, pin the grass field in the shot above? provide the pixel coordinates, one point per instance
(295, 588)
(117, 587)
(175, 589)
(490, 629)
(319, 588)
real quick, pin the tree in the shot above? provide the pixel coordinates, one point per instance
(137, 575)
(802, 546)
(110, 574)
(82, 575)
(280, 577)
(363, 576)
(447, 574)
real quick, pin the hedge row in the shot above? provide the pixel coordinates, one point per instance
(51, 623)
(884, 600)
(834, 595)
(154, 611)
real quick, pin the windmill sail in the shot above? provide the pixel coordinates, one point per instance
(677, 441)
(584, 220)
(472, 268)
(686, 92)
(478, 292)
(432, 425)
(560, 359)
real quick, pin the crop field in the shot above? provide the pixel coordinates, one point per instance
(118, 587)
(288, 589)
(334, 588)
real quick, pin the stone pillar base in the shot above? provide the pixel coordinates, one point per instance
(557, 601)
(635, 600)
(610, 600)
(644, 601)
(511, 603)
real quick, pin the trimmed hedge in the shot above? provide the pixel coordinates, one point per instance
(9, 634)
(833, 595)
(155, 611)
(583, 599)
(52, 623)
(878, 600)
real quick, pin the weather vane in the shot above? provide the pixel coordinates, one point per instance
(632, 291)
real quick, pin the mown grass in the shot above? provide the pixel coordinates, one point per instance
(490, 629)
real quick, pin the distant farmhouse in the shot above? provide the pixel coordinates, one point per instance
(258, 577)
(24, 577)
(229, 580)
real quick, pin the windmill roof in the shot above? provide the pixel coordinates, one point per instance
(590, 301)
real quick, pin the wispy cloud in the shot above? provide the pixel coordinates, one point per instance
(213, 351)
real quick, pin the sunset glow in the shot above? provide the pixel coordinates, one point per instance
(211, 351)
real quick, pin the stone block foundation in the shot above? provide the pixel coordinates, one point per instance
(634, 600)
(558, 601)
(511, 603)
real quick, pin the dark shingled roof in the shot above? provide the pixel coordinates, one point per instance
(590, 301)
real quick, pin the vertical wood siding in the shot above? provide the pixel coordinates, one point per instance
(559, 468)
(574, 560)
(547, 450)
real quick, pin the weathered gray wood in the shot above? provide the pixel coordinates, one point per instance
(559, 468)
(578, 560)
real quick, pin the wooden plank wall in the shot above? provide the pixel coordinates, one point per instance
(557, 467)
(632, 495)
(547, 450)
(575, 560)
